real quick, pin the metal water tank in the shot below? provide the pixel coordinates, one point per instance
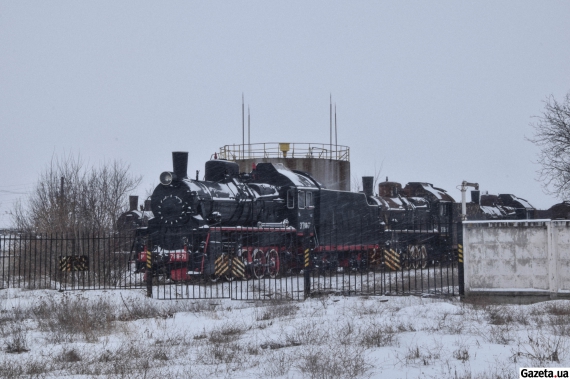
(328, 164)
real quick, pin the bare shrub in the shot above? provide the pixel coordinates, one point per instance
(135, 309)
(201, 335)
(221, 353)
(424, 354)
(500, 334)
(69, 356)
(448, 323)
(17, 341)
(461, 353)
(332, 362)
(277, 311)
(226, 333)
(499, 315)
(70, 318)
(160, 354)
(308, 333)
(132, 360)
(557, 317)
(541, 349)
(277, 363)
(192, 306)
(370, 308)
(405, 327)
(557, 308)
(377, 335)
(29, 368)
(11, 368)
(498, 370)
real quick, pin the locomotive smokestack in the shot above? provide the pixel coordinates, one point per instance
(133, 203)
(180, 164)
(368, 185)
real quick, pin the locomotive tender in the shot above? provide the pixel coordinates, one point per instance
(240, 225)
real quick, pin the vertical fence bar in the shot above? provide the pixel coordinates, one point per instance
(4, 257)
(460, 264)
(306, 272)
(148, 272)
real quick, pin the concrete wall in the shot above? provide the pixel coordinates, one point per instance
(526, 257)
(333, 174)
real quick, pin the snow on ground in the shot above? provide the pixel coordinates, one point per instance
(123, 334)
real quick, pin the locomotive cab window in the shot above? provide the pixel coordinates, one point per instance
(301, 199)
(309, 200)
(290, 198)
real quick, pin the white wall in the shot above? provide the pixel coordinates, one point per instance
(526, 257)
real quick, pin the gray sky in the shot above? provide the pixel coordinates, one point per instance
(437, 91)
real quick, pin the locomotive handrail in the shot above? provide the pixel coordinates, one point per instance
(285, 150)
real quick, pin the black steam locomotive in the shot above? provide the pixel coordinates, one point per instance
(240, 225)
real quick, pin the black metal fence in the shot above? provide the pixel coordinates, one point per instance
(256, 263)
(65, 262)
(280, 263)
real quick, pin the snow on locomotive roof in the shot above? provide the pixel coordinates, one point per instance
(142, 213)
(294, 178)
(439, 193)
(524, 203)
(491, 211)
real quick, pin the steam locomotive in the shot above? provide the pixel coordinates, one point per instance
(274, 221)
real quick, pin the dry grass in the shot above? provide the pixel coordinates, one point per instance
(73, 318)
(108, 336)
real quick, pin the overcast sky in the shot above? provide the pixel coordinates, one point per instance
(436, 91)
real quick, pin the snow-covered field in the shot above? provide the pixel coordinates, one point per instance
(123, 334)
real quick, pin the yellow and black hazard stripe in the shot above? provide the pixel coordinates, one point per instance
(307, 258)
(81, 263)
(74, 263)
(460, 253)
(148, 258)
(392, 259)
(64, 264)
(221, 265)
(376, 257)
(238, 268)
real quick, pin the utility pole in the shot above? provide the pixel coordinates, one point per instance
(335, 134)
(242, 125)
(330, 133)
(464, 186)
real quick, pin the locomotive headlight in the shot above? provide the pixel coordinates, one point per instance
(166, 178)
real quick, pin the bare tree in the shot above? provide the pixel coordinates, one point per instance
(377, 172)
(356, 181)
(552, 135)
(72, 198)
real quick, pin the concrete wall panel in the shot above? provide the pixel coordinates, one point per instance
(513, 256)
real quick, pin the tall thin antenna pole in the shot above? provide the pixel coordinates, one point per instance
(330, 134)
(248, 132)
(242, 124)
(335, 133)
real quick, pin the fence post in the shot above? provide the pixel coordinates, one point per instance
(307, 274)
(460, 267)
(148, 272)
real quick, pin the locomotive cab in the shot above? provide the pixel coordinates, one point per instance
(298, 191)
